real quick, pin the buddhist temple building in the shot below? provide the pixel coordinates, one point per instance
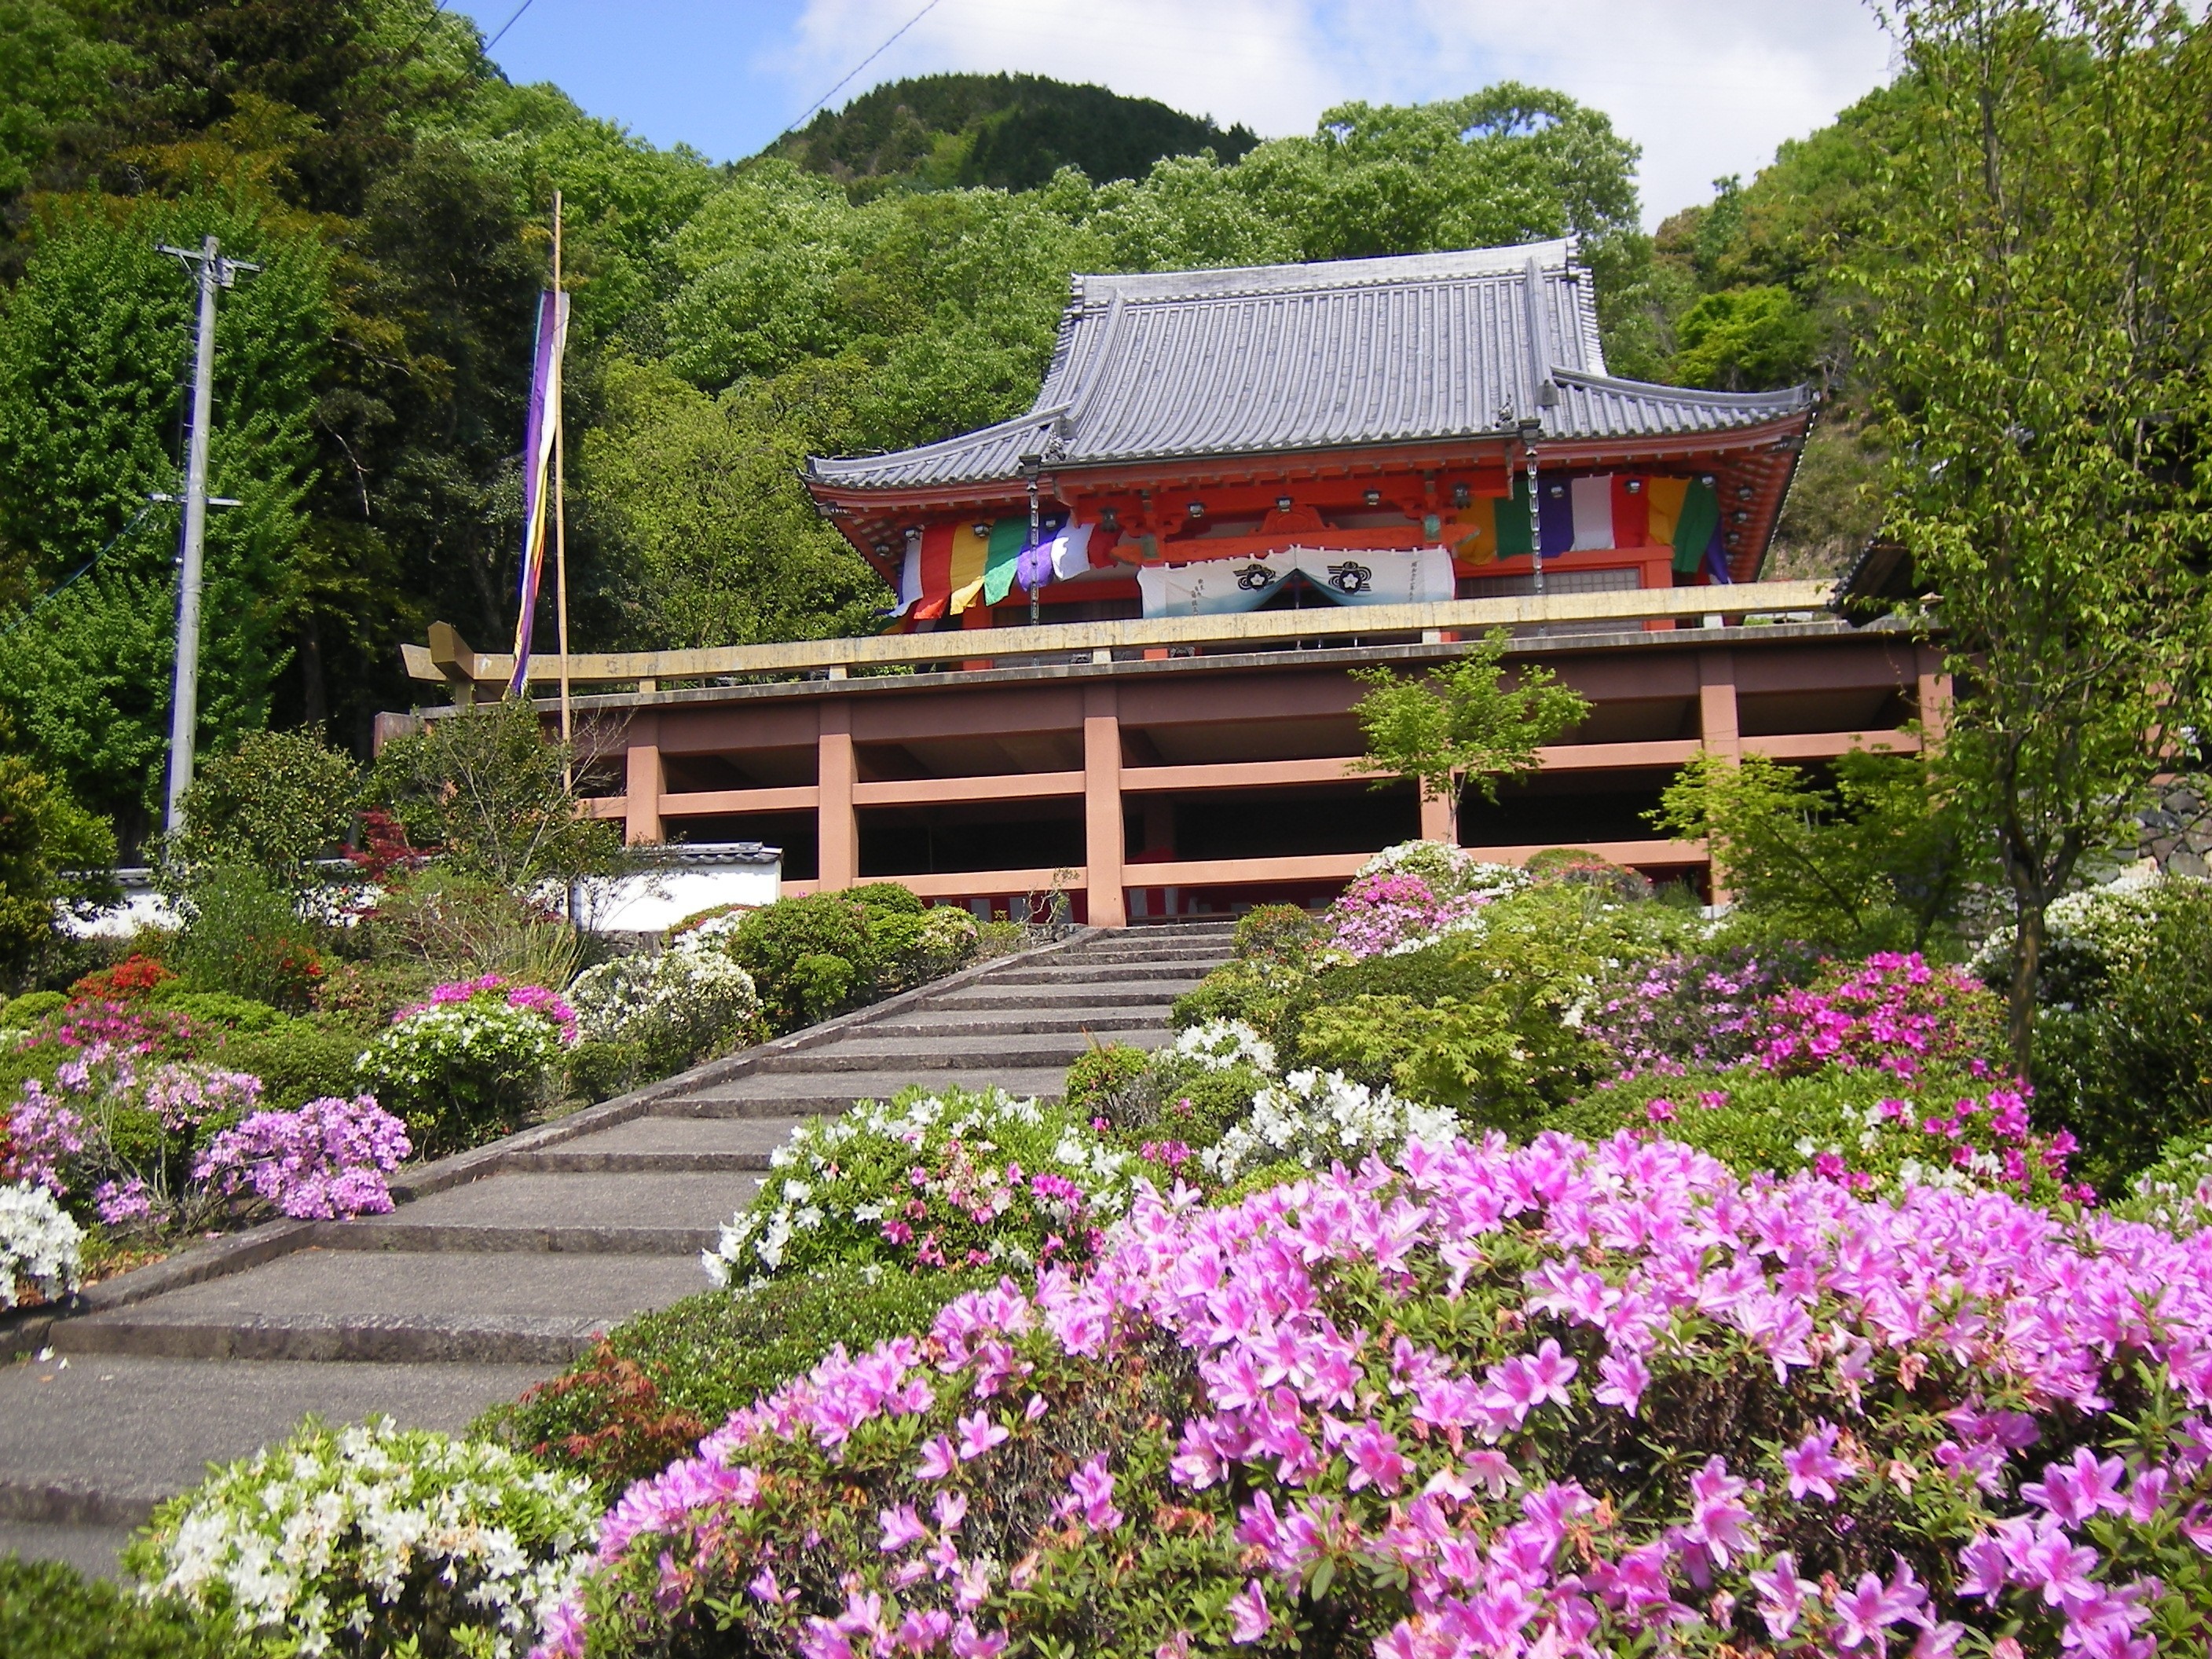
(1121, 627)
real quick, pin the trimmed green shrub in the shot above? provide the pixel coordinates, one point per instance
(1863, 1126)
(31, 1007)
(218, 1009)
(1098, 1074)
(790, 948)
(646, 1393)
(49, 1611)
(600, 1070)
(1283, 931)
(299, 1060)
(275, 804)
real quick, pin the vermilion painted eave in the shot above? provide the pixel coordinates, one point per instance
(863, 514)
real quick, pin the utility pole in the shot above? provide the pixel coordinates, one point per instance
(211, 270)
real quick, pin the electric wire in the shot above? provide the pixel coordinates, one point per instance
(507, 25)
(84, 569)
(927, 9)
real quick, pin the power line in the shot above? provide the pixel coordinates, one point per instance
(931, 6)
(85, 569)
(507, 25)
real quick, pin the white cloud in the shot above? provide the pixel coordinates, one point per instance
(1706, 86)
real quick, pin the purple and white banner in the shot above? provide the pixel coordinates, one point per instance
(538, 468)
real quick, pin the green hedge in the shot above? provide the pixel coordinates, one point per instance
(48, 1611)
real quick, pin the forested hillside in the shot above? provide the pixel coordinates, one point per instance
(1010, 131)
(730, 319)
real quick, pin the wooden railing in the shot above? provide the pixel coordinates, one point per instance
(448, 658)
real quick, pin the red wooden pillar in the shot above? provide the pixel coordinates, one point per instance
(643, 783)
(1104, 855)
(1717, 721)
(837, 832)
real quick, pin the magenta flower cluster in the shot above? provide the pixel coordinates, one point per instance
(1550, 1400)
(329, 1159)
(534, 998)
(1381, 911)
(1893, 1012)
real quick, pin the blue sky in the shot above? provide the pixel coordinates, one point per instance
(1707, 86)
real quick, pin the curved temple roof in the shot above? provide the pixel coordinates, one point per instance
(1278, 359)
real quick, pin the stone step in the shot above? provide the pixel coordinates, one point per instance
(928, 1058)
(647, 1145)
(93, 1551)
(624, 1212)
(1104, 976)
(811, 1094)
(1153, 998)
(91, 1445)
(523, 1307)
(1192, 950)
(972, 1022)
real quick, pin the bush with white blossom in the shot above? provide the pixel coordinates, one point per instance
(930, 1181)
(677, 1006)
(467, 1064)
(1314, 1119)
(39, 1245)
(374, 1539)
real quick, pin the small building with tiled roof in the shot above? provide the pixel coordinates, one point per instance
(1356, 406)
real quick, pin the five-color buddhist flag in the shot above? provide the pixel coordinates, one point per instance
(544, 421)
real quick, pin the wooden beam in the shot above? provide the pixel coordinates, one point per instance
(938, 792)
(714, 803)
(1632, 605)
(1827, 745)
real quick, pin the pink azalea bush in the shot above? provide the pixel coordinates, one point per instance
(532, 998)
(329, 1158)
(1558, 1399)
(1692, 1010)
(1893, 1012)
(115, 1126)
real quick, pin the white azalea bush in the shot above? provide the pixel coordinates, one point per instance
(2090, 935)
(1314, 1119)
(374, 1539)
(39, 1245)
(2175, 1194)
(469, 1063)
(930, 1181)
(677, 1006)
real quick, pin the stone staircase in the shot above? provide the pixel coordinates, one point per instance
(501, 1265)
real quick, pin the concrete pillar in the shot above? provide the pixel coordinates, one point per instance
(1716, 722)
(1103, 851)
(1935, 691)
(1435, 817)
(1717, 711)
(837, 831)
(642, 812)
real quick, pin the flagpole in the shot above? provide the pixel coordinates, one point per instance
(561, 529)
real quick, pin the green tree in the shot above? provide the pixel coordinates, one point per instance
(703, 493)
(1460, 725)
(1872, 864)
(484, 789)
(1745, 339)
(54, 857)
(2044, 324)
(93, 344)
(51, 72)
(275, 804)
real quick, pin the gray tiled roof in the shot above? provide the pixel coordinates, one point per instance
(1276, 359)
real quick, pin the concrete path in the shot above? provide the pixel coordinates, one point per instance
(501, 1265)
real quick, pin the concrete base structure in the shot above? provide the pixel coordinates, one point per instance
(1178, 785)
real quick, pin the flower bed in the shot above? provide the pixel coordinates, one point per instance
(929, 1182)
(470, 1063)
(374, 1539)
(1556, 1399)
